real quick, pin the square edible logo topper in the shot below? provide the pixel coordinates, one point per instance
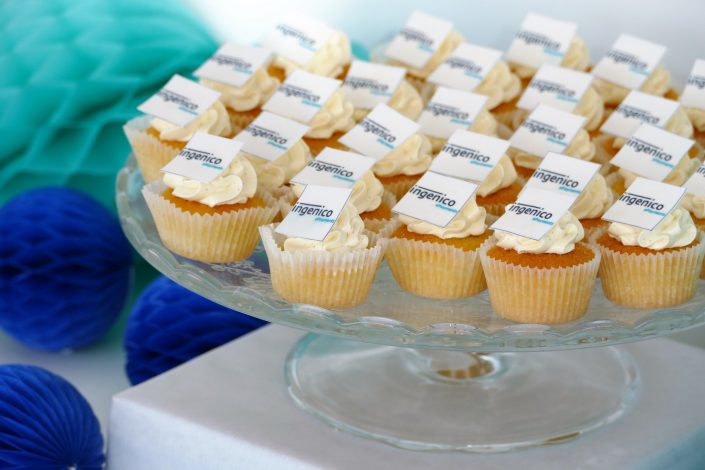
(180, 101)
(298, 38)
(645, 204)
(419, 39)
(314, 213)
(234, 64)
(302, 96)
(204, 158)
(541, 40)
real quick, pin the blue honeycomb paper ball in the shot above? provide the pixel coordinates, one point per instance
(170, 325)
(64, 269)
(45, 423)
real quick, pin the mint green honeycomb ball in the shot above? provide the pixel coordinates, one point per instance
(73, 73)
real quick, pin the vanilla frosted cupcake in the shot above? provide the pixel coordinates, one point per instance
(580, 147)
(213, 222)
(440, 262)
(500, 188)
(577, 57)
(658, 83)
(484, 123)
(652, 268)
(682, 171)
(406, 100)
(336, 272)
(304, 43)
(272, 175)
(402, 167)
(545, 281)
(190, 108)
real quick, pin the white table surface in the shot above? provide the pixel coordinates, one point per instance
(230, 409)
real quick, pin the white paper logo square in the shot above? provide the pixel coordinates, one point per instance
(204, 157)
(466, 67)
(269, 136)
(563, 175)
(435, 199)
(652, 152)
(314, 213)
(367, 85)
(557, 87)
(302, 96)
(696, 183)
(694, 93)
(639, 108)
(450, 110)
(333, 167)
(469, 156)
(541, 40)
(233, 64)
(546, 130)
(534, 213)
(380, 132)
(297, 38)
(630, 61)
(645, 204)
(180, 101)
(419, 40)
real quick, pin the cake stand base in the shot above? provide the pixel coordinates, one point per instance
(455, 401)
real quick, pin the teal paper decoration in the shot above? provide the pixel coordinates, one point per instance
(73, 71)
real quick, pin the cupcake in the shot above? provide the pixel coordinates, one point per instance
(402, 153)
(626, 67)
(621, 179)
(422, 45)
(500, 188)
(239, 74)
(546, 87)
(275, 147)
(304, 43)
(450, 110)
(592, 204)
(532, 47)
(652, 268)
(367, 84)
(545, 281)
(695, 205)
(214, 222)
(191, 107)
(693, 101)
(440, 262)
(334, 273)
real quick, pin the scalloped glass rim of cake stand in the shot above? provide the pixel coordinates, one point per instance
(391, 316)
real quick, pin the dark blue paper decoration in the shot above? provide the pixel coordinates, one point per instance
(45, 423)
(170, 325)
(64, 269)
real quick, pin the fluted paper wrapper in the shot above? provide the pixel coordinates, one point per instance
(539, 295)
(435, 270)
(151, 153)
(653, 280)
(329, 280)
(210, 238)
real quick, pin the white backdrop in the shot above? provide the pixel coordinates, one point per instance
(678, 24)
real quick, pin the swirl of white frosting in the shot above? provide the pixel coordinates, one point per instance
(470, 220)
(577, 57)
(675, 230)
(561, 239)
(592, 108)
(335, 116)
(676, 177)
(595, 200)
(500, 85)
(405, 100)
(346, 235)
(453, 40)
(275, 173)
(330, 60)
(694, 204)
(484, 123)
(502, 176)
(412, 157)
(235, 185)
(258, 89)
(657, 84)
(366, 192)
(213, 120)
(697, 118)
(581, 147)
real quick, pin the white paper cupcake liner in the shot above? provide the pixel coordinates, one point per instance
(435, 270)
(539, 295)
(210, 238)
(652, 280)
(151, 153)
(329, 280)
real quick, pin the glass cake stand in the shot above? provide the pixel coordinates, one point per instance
(426, 374)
